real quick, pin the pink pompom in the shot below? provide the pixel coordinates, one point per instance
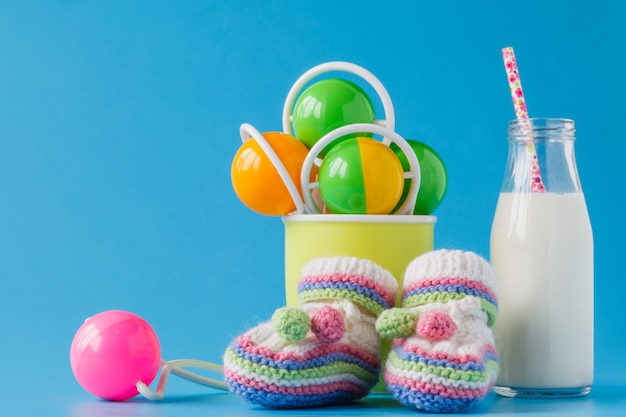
(435, 326)
(327, 324)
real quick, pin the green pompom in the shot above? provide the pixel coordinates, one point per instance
(291, 323)
(396, 322)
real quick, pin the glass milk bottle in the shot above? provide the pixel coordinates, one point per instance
(542, 253)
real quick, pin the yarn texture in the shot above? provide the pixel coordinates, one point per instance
(328, 325)
(291, 324)
(435, 325)
(336, 360)
(396, 322)
(449, 362)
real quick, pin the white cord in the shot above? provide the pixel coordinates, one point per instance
(176, 367)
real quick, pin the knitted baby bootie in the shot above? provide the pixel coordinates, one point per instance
(443, 357)
(324, 352)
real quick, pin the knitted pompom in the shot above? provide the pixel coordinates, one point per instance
(291, 323)
(327, 324)
(396, 322)
(435, 326)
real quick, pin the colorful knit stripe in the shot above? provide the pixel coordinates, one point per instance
(424, 385)
(321, 376)
(491, 370)
(454, 289)
(299, 392)
(488, 351)
(351, 279)
(280, 400)
(418, 299)
(450, 376)
(316, 353)
(295, 363)
(404, 355)
(491, 310)
(430, 297)
(450, 284)
(354, 279)
(430, 402)
(344, 382)
(373, 304)
(316, 372)
(435, 394)
(309, 390)
(491, 356)
(362, 290)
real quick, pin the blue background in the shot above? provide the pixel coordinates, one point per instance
(119, 121)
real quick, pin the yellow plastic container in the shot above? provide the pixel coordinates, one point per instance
(392, 241)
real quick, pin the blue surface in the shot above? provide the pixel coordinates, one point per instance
(119, 121)
(603, 401)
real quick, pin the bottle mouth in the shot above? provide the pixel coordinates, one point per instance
(541, 129)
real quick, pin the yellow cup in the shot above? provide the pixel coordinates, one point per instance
(391, 241)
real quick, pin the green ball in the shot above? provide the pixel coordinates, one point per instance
(360, 176)
(327, 105)
(434, 178)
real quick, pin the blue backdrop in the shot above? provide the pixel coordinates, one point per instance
(119, 121)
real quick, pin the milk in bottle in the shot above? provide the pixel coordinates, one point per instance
(542, 252)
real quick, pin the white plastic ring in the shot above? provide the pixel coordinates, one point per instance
(247, 131)
(388, 122)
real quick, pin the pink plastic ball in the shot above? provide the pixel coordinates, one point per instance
(112, 351)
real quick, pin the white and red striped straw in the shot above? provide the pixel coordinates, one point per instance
(521, 112)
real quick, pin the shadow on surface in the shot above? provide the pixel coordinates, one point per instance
(140, 406)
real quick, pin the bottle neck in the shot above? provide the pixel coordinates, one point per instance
(541, 129)
(541, 150)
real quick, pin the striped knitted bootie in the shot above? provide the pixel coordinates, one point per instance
(443, 357)
(324, 352)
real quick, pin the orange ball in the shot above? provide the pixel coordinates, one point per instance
(256, 180)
